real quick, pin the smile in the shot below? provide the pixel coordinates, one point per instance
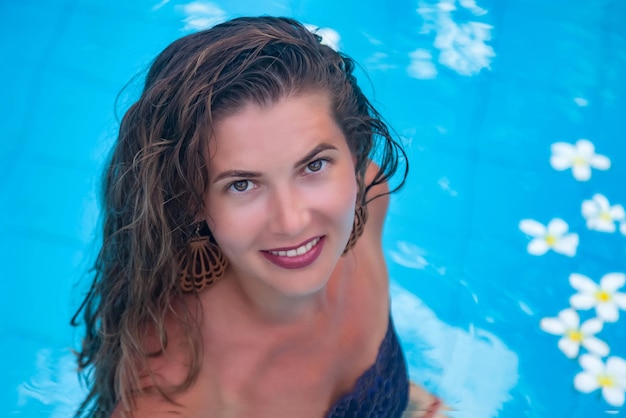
(295, 258)
(297, 251)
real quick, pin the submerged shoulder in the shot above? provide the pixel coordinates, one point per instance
(423, 404)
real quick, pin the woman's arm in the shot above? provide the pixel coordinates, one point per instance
(377, 208)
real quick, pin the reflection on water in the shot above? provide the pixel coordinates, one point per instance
(459, 38)
(454, 362)
(201, 15)
(55, 389)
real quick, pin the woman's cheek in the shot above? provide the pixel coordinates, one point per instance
(339, 200)
(226, 217)
(238, 221)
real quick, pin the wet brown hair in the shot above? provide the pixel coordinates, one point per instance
(154, 184)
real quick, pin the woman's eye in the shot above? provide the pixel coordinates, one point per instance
(316, 165)
(240, 185)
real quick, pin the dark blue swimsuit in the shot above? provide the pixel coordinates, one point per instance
(382, 390)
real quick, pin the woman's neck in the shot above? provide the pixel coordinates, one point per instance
(256, 306)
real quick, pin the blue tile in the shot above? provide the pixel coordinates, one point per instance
(71, 121)
(40, 273)
(31, 29)
(112, 46)
(21, 93)
(548, 50)
(55, 201)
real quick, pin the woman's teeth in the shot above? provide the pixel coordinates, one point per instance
(297, 251)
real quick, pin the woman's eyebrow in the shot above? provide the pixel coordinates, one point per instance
(321, 147)
(236, 173)
(254, 174)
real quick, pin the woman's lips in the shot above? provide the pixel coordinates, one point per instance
(296, 257)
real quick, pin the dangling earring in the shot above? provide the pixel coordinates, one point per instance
(360, 217)
(201, 262)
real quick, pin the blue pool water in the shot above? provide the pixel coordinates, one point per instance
(510, 111)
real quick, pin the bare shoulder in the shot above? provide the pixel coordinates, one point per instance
(161, 374)
(370, 261)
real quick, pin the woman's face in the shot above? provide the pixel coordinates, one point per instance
(281, 194)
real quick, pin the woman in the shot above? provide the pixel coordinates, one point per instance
(241, 271)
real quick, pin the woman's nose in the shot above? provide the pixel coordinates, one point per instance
(288, 213)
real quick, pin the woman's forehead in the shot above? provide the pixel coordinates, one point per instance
(288, 128)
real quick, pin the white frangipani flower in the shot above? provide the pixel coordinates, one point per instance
(580, 158)
(610, 377)
(555, 236)
(604, 297)
(600, 215)
(574, 334)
